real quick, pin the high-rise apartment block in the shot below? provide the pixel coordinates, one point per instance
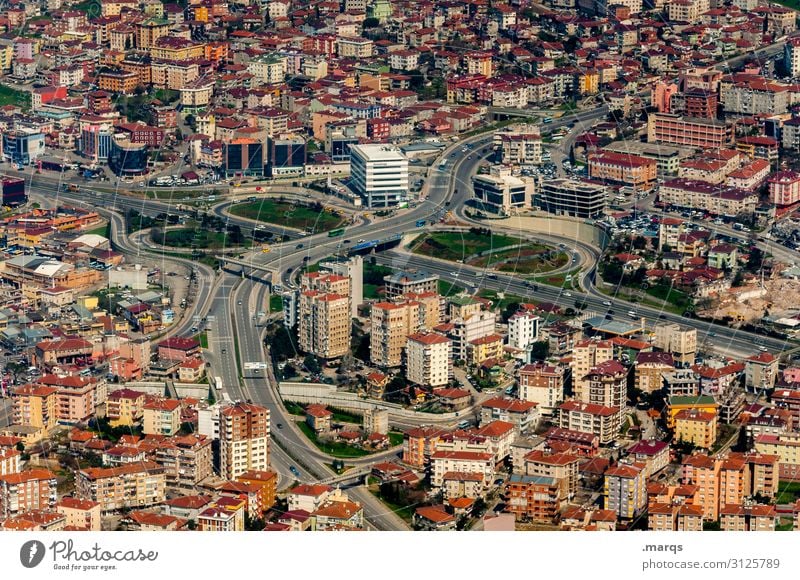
(244, 439)
(429, 360)
(324, 319)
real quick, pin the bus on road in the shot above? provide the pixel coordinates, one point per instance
(334, 233)
(420, 223)
(547, 120)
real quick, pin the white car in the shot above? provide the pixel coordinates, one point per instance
(606, 303)
(454, 274)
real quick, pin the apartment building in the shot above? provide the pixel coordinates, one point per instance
(338, 515)
(309, 497)
(80, 514)
(716, 199)
(790, 137)
(748, 517)
(133, 485)
(788, 399)
(523, 330)
(680, 342)
(354, 47)
(36, 406)
(669, 231)
(607, 384)
(391, 323)
(9, 460)
(677, 404)
(667, 517)
(784, 187)
(686, 10)
(124, 407)
(519, 148)
(666, 157)
(447, 462)
(696, 427)
(650, 368)
(651, 453)
(522, 414)
(542, 384)
(762, 475)
(268, 69)
(187, 460)
(589, 418)
(625, 490)
(690, 131)
(623, 169)
(267, 484)
(244, 439)
(161, 417)
(753, 95)
(468, 328)
(220, 519)
(760, 371)
(562, 467)
(419, 443)
(353, 268)
(787, 447)
(410, 282)
(533, 498)
(32, 489)
(485, 348)
(704, 472)
(324, 315)
(586, 355)
(429, 360)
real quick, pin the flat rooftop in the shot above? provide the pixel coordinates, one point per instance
(378, 152)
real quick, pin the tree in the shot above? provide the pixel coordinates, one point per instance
(755, 260)
(639, 243)
(540, 350)
(157, 235)
(416, 79)
(510, 310)
(371, 23)
(312, 364)
(346, 364)
(20, 446)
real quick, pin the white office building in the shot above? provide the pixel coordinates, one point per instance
(379, 174)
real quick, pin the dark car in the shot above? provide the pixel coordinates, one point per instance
(280, 425)
(662, 316)
(346, 242)
(299, 246)
(294, 471)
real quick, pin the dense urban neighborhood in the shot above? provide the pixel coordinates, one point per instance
(479, 265)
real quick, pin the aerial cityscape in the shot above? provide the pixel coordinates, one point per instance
(392, 265)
